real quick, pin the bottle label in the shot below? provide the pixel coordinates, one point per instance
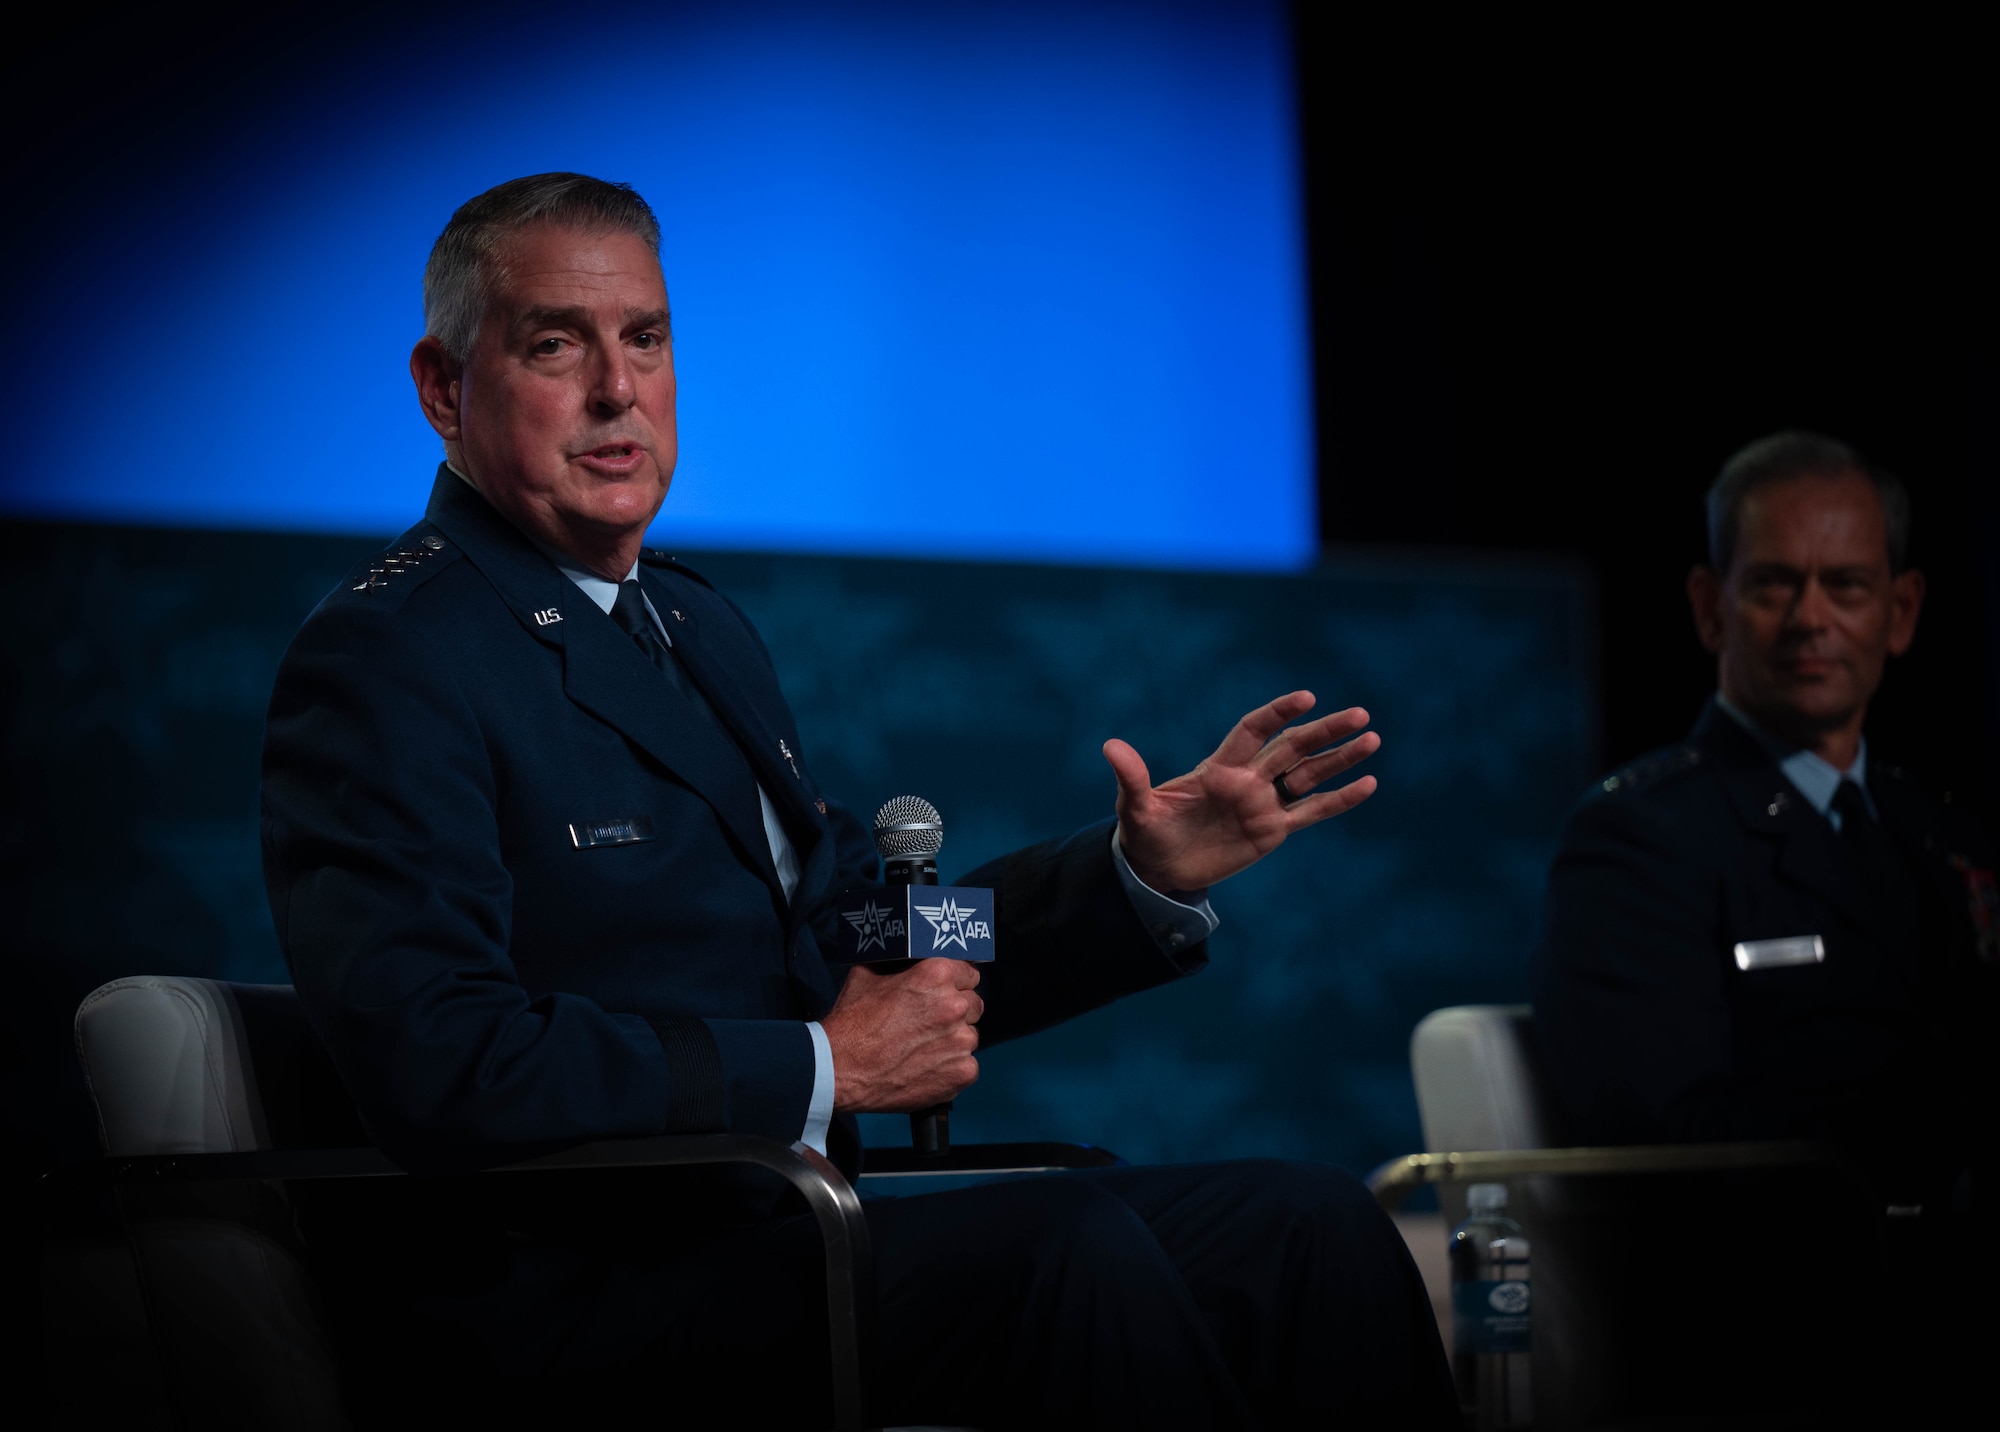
(1490, 1316)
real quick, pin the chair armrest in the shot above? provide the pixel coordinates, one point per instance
(1393, 1181)
(850, 1263)
(986, 1158)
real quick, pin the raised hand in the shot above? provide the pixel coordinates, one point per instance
(1238, 806)
(902, 1037)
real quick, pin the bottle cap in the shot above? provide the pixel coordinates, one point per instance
(1485, 1197)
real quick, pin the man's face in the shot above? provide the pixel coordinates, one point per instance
(566, 402)
(1809, 611)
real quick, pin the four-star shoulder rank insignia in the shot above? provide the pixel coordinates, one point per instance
(390, 564)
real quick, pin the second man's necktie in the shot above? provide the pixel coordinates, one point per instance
(1857, 825)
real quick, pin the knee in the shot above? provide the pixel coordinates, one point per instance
(1313, 1197)
(1088, 1232)
(1310, 1226)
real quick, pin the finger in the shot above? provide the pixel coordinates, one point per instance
(928, 974)
(1287, 749)
(1326, 804)
(964, 974)
(1134, 780)
(1249, 735)
(975, 1008)
(1313, 770)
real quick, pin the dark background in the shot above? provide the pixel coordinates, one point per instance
(1562, 270)
(1557, 278)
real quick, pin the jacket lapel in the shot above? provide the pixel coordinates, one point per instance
(603, 670)
(1910, 823)
(764, 748)
(607, 675)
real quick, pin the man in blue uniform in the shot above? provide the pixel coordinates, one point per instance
(549, 863)
(1769, 932)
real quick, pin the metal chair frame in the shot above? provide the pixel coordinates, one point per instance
(836, 1208)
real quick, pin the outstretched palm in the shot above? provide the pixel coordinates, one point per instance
(1229, 811)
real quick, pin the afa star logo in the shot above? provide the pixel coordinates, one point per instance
(954, 924)
(875, 927)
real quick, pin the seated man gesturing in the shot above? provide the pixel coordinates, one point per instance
(490, 984)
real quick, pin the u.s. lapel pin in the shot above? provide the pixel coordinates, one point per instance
(677, 614)
(786, 752)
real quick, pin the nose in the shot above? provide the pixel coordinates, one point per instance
(612, 389)
(1811, 609)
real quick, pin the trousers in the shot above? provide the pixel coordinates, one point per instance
(1243, 1295)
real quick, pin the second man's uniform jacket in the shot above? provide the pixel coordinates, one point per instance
(1677, 994)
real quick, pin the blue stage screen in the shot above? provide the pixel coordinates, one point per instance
(979, 281)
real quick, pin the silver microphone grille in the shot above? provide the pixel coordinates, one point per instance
(908, 826)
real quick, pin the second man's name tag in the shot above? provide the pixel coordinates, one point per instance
(584, 834)
(1770, 954)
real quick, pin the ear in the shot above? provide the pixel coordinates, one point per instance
(1906, 600)
(1704, 591)
(436, 374)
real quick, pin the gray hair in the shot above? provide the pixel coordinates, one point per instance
(462, 274)
(1782, 457)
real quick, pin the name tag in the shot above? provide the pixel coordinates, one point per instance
(585, 834)
(1771, 954)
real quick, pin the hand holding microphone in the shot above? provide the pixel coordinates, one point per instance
(903, 1029)
(903, 1038)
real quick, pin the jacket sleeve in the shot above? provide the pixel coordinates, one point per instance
(1067, 938)
(392, 900)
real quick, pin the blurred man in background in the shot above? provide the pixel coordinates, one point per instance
(1768, 931)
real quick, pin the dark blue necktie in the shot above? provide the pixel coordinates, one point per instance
(1857, 826)
(629, 611)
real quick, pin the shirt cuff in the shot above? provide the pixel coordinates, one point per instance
(1173, 924)
(820, 1113)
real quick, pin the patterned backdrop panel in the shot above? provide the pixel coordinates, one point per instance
(139, 663)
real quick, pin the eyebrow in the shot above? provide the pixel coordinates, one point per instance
(533, 318)
(1787, 569)
(578, 319)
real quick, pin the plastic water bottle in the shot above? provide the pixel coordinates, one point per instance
(1491, 1305)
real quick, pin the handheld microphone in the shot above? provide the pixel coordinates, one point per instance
(887, 923)
(909, 833)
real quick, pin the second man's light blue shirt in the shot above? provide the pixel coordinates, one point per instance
(1811, 774)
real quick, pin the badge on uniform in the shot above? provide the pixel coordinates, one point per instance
(1982, 900)
(625, 830)
(1776, 954)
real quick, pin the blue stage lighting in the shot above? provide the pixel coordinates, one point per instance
(974, 281)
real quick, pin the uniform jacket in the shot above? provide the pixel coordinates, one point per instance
(1654, 1034)
(524, 887)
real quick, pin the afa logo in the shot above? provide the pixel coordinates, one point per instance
(875, 927)
(954, 924)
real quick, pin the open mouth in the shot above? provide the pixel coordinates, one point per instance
(614, 458)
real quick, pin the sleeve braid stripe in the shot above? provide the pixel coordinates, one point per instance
(694, 1076)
